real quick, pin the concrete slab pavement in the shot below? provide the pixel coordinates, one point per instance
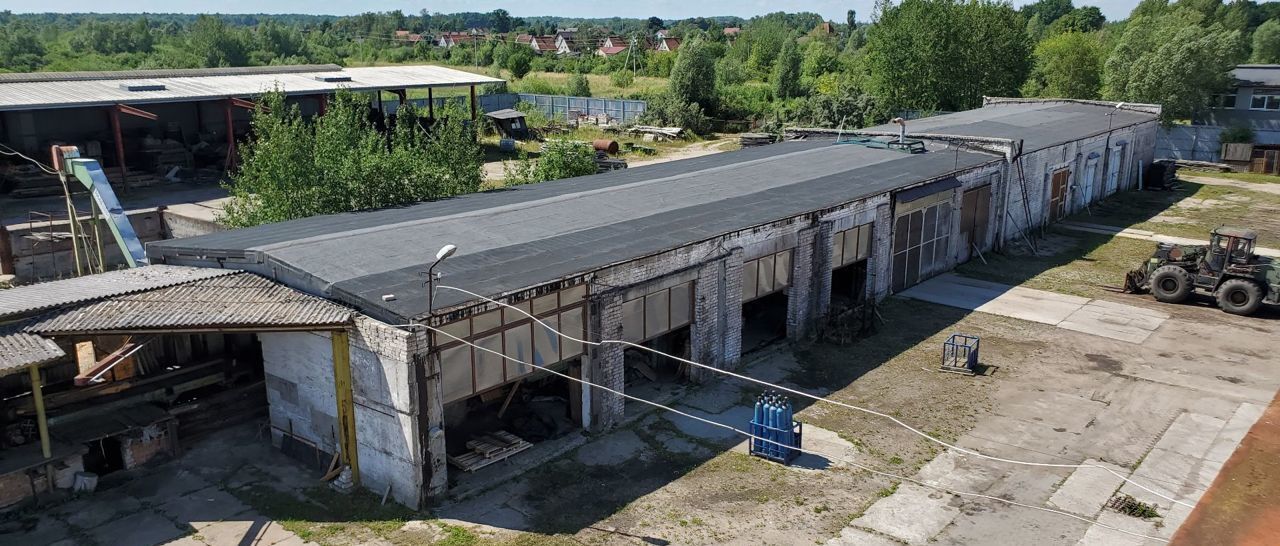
(1101, 318)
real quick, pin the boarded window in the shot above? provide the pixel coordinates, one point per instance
(486, 321)
(633, 320)
(851, 245)
(455, 372)
(545, 304)
(519, 349)
(657, 314)
(749, 271)
(489, 365)
(681, 305)
(571, 324)
(546, 343)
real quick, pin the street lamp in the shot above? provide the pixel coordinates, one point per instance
(444, 252)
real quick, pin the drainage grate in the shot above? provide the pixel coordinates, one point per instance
(1130, 506)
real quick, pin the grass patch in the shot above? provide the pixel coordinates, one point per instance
(1081, 264)
(1193, 210)
(326, 516)
(1256, 178)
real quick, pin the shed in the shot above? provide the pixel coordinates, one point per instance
(510, 123)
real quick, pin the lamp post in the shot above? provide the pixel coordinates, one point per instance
(444, 252)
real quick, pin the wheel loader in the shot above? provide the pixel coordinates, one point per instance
(1239, 280)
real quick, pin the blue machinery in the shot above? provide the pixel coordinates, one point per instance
(960, 354)
(776, 436)
(67, 161)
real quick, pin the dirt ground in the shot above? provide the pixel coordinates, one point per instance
(1193, 210)
(1242, 506)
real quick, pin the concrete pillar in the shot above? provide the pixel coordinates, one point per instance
(430, 416)
(605, 363)
(731, 309)
(800, 292)
(881, 266)
(822, 242)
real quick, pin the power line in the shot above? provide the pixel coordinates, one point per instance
(13, 152)
(753, 437)
(895, 420)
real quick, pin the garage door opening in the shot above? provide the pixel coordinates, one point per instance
(764, 321)
(650, 373)
(849, 285)
(497, 424)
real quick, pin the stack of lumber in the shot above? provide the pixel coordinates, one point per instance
(489, 449)
(755, 139)
(30, 181)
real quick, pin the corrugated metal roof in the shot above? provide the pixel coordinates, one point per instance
(16, 77)
(242, 300)
(20, 349)
(100, 91)
(47, 295)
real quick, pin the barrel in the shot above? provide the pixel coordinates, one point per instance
(605, 145)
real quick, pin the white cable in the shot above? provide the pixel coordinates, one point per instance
(802, 450)
(895, 420)
(13, 152)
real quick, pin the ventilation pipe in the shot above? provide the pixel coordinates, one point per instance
(902, 133)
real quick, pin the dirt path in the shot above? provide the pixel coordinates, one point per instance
(1241, 507)
(1214, 181)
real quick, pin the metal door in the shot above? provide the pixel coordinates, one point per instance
(974, 216)
(1058, 195)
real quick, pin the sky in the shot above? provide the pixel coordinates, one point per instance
(666, 9)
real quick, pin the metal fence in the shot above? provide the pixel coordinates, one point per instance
(1189, 142)
(554, 106)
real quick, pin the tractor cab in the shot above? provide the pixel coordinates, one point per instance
(1230, 246)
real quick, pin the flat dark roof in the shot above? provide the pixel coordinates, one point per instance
(522, 237)
(1039, 124)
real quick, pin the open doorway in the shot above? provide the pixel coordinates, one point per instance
(849, 284)
(649, 374)
(764, 321)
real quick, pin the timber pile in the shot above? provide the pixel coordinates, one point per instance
(658, 133)
(755, 139)
(30, 181)
(489, 449)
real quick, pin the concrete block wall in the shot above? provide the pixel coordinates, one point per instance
(302, 398)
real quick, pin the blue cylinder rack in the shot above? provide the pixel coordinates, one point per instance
(775, 434)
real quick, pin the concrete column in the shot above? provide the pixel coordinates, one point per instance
(881, 266)
(707, 335)
(606, 366)
(800, 292)
(430, 416)
(822, 242)
(731, 309)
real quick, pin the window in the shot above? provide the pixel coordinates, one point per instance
(851, 245)
(921, 241)
(765, 275)
(1265, 102)
(652, 315)
(1225, 101)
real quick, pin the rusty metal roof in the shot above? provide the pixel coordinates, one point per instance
(20, 349)
(48, 295)
(237, 301)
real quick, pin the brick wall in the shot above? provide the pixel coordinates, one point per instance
(800, 297)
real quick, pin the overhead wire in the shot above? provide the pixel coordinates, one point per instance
(796, 392)
(12, 152)
(753, 437)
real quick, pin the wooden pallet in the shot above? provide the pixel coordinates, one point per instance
(489, 449)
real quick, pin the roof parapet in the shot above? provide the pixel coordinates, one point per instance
(1153, 109)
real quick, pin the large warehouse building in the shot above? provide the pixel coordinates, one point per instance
(701, 257)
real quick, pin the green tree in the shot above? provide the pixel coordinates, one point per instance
(1084, 19)
(559, 159)
(1266, 43)
(1068, 65)
(578, 86)
(693, 76)
(501, 20)
(1172, 60)
(1048, 10)
(786, 72)
(820, 57)
(622, 78)
(519, 63)
(946, 54)
(338, 162)
(215, 43)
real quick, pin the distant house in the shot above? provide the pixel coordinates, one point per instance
(450, 39)
(667, 45)
(661, 33)
(565, 42)
(1253, 100)
(524, 39)
(614, 41)
(732, 31)
(826, 27)
(611, 51)
(543, 44)
(401, 35)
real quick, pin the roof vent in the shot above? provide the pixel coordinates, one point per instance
(143, 86)
(333, 79)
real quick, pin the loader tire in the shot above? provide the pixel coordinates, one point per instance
(1171, 284)
(1239, 296)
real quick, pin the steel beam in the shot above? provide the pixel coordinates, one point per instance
(114, 115)
(346, 402)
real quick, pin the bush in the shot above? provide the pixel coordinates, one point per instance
(578, 86)
(668, 110)
(745, 102)
(533, 116)
(537, 86)
(1236, 134)
(519, 64)
(622, 78)
(559, 159)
